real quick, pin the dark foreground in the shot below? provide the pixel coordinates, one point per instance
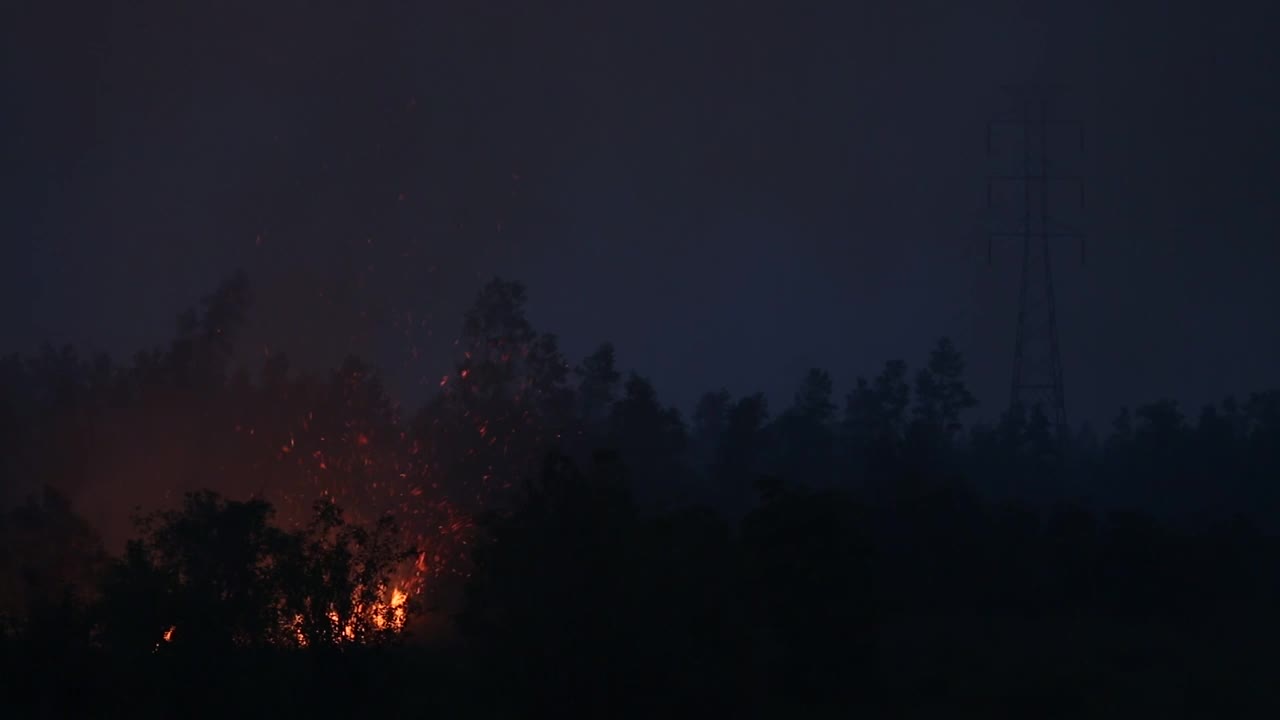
(925, 667)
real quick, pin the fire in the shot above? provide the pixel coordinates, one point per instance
(166, 637)
(388, 615)
(394, 615)
(385, 615)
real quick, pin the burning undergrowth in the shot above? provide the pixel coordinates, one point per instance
(220, 572)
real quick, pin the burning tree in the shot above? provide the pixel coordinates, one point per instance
(338, 581)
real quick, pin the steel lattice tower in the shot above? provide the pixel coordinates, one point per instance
(1031, 177)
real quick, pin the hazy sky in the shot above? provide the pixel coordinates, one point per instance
(729, 191)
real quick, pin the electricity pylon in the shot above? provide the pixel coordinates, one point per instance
(1033, 177)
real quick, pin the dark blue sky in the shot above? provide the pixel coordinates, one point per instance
(729, 191)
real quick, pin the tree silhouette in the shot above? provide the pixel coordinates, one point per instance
(741, 452)
(214, 555)
(507, 402)
(649, 438)
(549, 579)
(875, 423)
(201, 353)
(47, 551)
(710, 417)
(804, 434)
(941, 397)
(598, 380)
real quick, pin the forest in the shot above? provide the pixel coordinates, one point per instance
(185, 535)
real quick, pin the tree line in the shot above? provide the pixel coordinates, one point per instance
(590, 548)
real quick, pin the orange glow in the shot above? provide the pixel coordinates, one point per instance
(388, 615)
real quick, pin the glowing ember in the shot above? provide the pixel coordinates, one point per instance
(166, 637)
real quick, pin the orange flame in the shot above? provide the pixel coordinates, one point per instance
(387, 615)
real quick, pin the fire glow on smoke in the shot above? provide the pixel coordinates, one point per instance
(292, 440)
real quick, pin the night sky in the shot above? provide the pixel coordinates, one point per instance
(731, 192)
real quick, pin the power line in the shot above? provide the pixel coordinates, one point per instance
(1037, 359)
